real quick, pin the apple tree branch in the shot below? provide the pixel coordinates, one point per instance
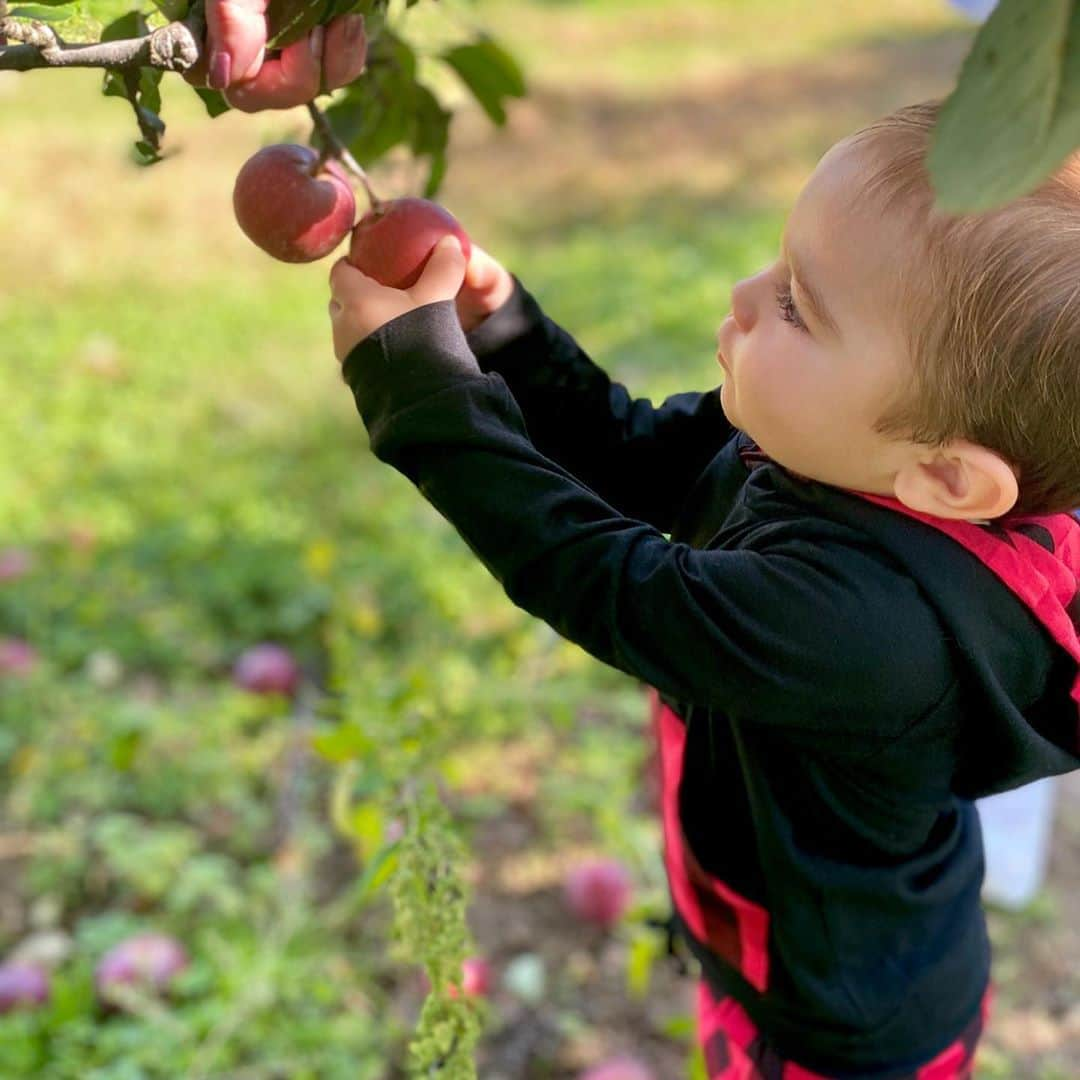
(175, 47)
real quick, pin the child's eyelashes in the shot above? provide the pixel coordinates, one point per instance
(786, 302)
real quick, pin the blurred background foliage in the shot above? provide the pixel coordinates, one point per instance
(188, 474)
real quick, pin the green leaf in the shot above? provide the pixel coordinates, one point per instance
(490, 72)
(146, 153)
(681, 1026)
(49, 4)
(1014, 115)
(377, 870)
(345, 742)
(173, 10)
(150, 94)
(130, 25)
(214, 100)
(36, 11)
(431, 136)
(645, 949)
(112, 85)
(378, 112)
(108, 11)
(290, 20)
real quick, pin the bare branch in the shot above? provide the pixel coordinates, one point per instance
(176, 47)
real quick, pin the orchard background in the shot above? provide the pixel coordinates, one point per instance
(188, 477)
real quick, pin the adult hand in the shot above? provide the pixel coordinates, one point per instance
(234, 58)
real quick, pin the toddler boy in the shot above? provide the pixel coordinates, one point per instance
(848, 575)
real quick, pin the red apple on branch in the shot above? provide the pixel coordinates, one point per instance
(392, 242)
(291, 209)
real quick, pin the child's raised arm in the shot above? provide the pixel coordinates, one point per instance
(714, 627)
(641, 458)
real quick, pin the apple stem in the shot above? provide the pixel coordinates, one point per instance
(333, 147)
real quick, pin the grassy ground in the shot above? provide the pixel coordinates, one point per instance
(191, 477)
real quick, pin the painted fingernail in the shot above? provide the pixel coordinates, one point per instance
(316, 42)
(354, 29)
(220, 70)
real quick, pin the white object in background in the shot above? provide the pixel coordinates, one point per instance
(1016, 827)
(977, 9)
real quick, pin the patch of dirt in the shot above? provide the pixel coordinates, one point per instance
(586, 1013)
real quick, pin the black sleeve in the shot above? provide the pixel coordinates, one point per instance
(765, 632)
(641, 458)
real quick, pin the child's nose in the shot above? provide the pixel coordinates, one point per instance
(742, 307)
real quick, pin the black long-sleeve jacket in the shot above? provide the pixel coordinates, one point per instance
(850, 677)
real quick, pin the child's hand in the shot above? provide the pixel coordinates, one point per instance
(360, 305)
(488, 286)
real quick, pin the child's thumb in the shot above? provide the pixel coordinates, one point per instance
(444, 271)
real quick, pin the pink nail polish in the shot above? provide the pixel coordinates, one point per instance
(355, 30)
(316, 42)
(220, 70)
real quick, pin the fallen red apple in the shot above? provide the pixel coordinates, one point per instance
(22, 986)
(17, 657)
(598, 891)
(288, 212)
(267, 669)
(149, 961)
(392, 242)
(622, 1068)
(14, 563)
(475, 978)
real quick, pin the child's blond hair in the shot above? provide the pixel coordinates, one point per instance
(990, 304)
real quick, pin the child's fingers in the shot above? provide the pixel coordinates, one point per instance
(346, 282)
(443, 273)
(482, 269)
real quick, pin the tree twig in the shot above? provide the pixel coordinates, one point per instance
(332, 146)
(175, 47)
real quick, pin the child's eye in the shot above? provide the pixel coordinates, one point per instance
(788, 311)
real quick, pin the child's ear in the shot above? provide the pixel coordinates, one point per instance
(960, 480)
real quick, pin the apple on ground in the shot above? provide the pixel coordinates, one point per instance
(392, 242)
(475, 979)
(621, 1068)
(149, 961)
(288, 211)
(598, 891)
(22, 986)
(18, 658)
(267, 668)
(14, 563)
